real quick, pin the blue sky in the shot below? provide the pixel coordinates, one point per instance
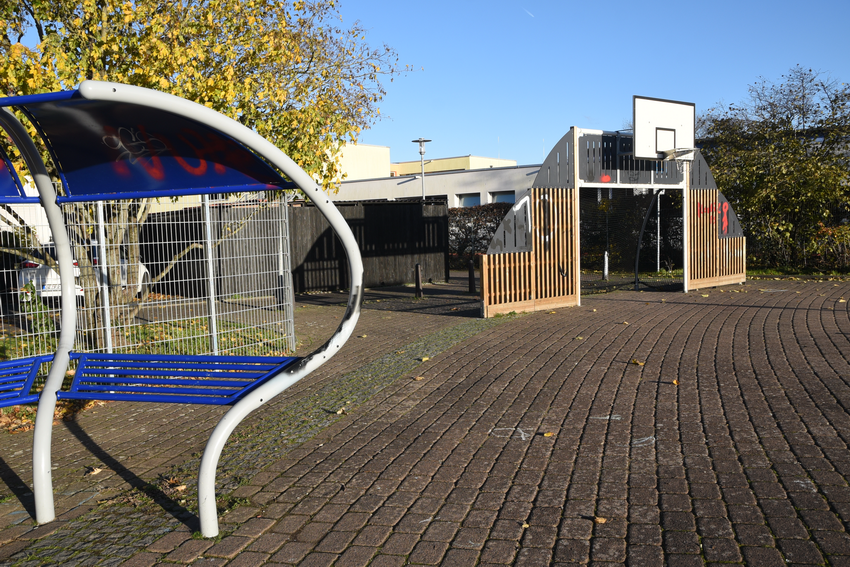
(509, 78)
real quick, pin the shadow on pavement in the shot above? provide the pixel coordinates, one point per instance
(18, 487)
(159, 498)
(450, 298)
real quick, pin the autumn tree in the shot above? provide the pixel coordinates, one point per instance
(782, 158)
(291, 70)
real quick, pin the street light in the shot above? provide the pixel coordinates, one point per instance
(421, 142)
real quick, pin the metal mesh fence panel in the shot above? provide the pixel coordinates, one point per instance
(28, 287)
(611, 223)
(190, 276)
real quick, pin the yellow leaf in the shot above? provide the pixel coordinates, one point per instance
(548, 434)
(424, 358)
(637, 362)
(599, 520)
(675, 382)
(418, 378)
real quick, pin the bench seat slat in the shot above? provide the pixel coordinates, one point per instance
(179, 365)
(13, 386)
(107, 372)
(86, 383)
(181, 358)
(179, 390)
(159, 398)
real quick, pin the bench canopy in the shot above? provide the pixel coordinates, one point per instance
(119, 149)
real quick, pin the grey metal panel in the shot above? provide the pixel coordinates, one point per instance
(597, 155)
(728, 225)
(667, 173)
(633, 172)
(514, 234)
(701, 177)
(556, 171)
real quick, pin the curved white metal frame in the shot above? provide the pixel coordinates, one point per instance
(41, 462)
(104, 91)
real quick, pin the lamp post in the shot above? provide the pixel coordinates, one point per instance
(421, 142)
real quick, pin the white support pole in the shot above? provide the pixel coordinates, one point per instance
(576, 218)
(42, 478)
(686, 233)
(605, 267)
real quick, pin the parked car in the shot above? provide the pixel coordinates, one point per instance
(46, 280)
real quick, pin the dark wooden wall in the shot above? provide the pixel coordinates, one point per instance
(393, 238)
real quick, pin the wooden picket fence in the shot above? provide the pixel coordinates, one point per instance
(548, 276)
(713, 260)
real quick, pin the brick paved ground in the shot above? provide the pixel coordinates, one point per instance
(708, 428)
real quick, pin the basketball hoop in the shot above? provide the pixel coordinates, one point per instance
(678, 153)
(680, 156)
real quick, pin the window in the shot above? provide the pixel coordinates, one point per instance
(469, 200)
(503, 197)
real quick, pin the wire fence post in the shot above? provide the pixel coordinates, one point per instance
(211, 294)
(285, 274)
(104, 276)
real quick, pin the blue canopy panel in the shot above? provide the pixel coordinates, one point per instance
(109, 150)
(11, 190)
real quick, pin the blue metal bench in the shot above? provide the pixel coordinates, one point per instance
(202, 152)
(17, 378)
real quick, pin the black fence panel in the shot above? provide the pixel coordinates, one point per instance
(393, 237)
(610, 231)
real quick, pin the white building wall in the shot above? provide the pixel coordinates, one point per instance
(486, 183)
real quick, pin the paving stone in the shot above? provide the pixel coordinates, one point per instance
(228, 547)
(644, 556)
(797, 551)
(188, 551)
(428, 552)
(762, 556)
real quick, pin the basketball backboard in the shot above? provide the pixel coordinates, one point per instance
(662, 126)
